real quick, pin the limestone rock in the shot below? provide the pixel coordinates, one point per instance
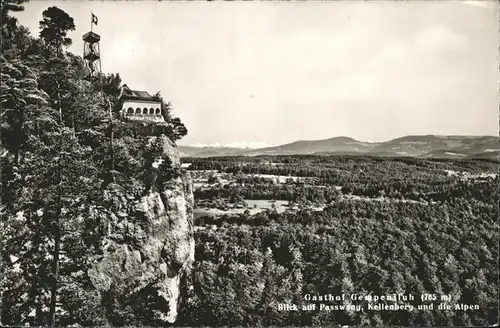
(147, 251)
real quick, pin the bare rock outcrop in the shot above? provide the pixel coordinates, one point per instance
(148, 248)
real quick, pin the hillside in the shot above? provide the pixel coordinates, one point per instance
(190, 151)
(96, 212)
(427, 146)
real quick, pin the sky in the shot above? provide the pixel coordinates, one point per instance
(269, 73)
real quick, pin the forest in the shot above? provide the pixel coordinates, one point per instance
(388, 226)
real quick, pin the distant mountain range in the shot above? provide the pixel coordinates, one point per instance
(425, 146)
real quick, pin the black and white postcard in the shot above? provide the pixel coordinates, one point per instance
(249, 163)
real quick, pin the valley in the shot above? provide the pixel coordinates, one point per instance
(278, 227)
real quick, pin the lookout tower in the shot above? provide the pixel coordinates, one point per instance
(91, 50)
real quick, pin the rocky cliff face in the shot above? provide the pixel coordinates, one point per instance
(148, 248)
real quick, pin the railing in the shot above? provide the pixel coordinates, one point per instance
(146, 117)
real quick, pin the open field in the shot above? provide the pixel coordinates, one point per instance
(254, 206)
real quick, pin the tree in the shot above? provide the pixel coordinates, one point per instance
(20, 44)
(177, 129)
(46, 180)
(9, 23)
(111, 84)
(166, 107)
(54, 27)
(10, 5)
(16, 101)
(75, 181)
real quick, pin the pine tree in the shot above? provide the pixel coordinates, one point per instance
(54, 27)
(9, 23)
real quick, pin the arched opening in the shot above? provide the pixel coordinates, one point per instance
(130, 111)
(151, 111)
(138, 111)
(157, 111)
(144, 111)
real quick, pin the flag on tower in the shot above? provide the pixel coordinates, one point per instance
(94, 19)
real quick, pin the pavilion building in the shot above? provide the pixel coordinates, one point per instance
(140, 105)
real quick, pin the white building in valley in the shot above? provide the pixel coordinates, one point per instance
(140, 106)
